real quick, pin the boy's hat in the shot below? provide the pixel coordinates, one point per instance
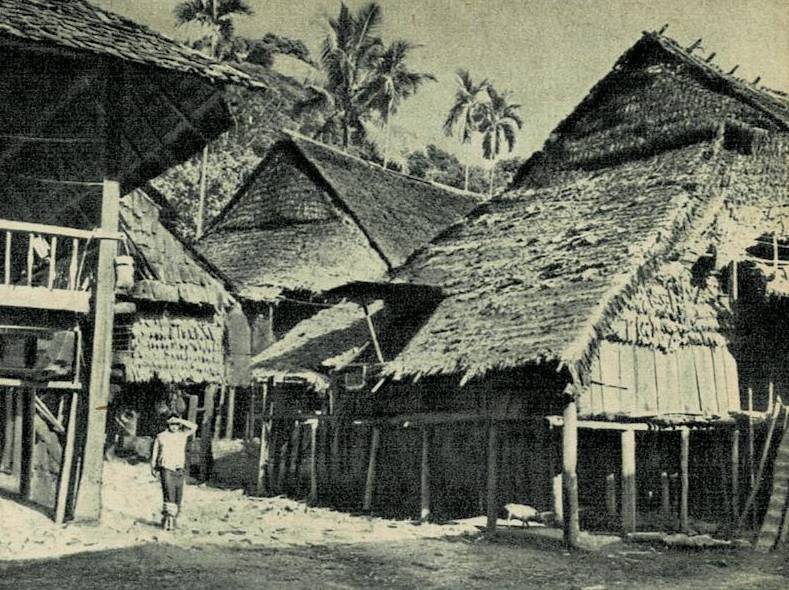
(173, 420)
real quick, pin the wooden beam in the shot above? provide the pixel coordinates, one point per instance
(492, 488)
(295, 458)
(665, 496)
(312, 499)
(684, 456)
(28, 396)
(751, 453)
(424, 479)
(231, 411)
(16, 462)
(373, 335)
(49, 417)
(569, 476)
(629, 509)
(67, 461)
(206, 432)
(8, 430)
(42, 298)
(88, 505)
(610, 494)
(375, 441)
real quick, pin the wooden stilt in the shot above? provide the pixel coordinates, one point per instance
(492, 503)
(375, 441)
(295, 456)
(721, 456)
(684, 481)
(16, 462)
(206, 433)
(88, 501)
(610, 494)
(67, 461)
(231, 412)
(263, 475)
(218, 412)
(735, 474)
(8, 430)
(424, 481)
(251, 415)
(628, 481)
(28, 396)
(751, 457)
(569, 476)
(191, 409)
(313, 497)
(282, 471)
(556, 480)
(334, 458)
(749, 503)
(665, 496)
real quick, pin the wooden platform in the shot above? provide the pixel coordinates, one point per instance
(44, 298)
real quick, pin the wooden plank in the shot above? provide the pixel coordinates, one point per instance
(73, 265)
(628, 481)
(375, 441)
(16, 463)
(64, 480)
(53, 248)
(492, 502)
(609, 376)
(732, 381)
(595, 388)
(30, 259)
(684, 480)
(88, 504)
(646, 399)
(569, 475)
(721, 379)
(668, 381)
(627, 368)
(424, 479)
(704, 376)
(689, 388)
(718, 384)
(7, 259)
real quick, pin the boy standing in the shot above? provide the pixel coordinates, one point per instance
(168, 461)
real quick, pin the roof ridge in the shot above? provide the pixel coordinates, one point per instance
(297, 136)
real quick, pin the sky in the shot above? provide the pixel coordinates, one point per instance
(547, 53)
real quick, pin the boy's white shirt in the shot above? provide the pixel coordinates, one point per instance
(169, 448)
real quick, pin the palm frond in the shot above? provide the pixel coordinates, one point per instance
(187, 11)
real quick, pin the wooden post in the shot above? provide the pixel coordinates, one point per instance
(556, 479)
(424, 481)
(251, 415)
(734, 287)
(735, 474)
(628, 481)
(231, 412)
(313, 497)
(206, 432)
(610, 494)
(684, 482)
(751, 458)
(67, 461)
(220, 404)
(569, 476)
(16, 461)
(8, 431)
(665, 496)
(295, 456)
(191, 409)
(28, 397)
(282, 470)
(749, 503)
(492, 494)
(770, 394)
(88, 504)
(375, 441)
(263, 473)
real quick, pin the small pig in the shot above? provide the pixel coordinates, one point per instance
(523, 513)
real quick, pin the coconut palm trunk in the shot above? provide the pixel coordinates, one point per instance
(201, 202)
(465, 180)
(388, 133)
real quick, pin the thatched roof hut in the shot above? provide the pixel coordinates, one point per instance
(606, 233)
(311, 218)
(176, 334)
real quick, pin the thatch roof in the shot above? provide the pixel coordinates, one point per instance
(328, 340)
(167, 269)
(630, 182)
(78, 25)
(312, 218)
(172, 349)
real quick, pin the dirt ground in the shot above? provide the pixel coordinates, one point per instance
(227, 540)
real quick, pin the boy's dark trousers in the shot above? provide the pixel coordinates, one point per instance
(172, 485)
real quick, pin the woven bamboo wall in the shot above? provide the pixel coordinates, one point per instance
(638, 381)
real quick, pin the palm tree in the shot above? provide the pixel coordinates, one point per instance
(464, 116)
(498, 125)
(216, 16)
(348, 56)
(393, 82)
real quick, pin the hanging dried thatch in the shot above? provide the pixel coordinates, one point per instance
(312, 218)
(629, 184)
(172, 349)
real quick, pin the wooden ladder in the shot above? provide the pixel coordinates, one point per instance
(776, 521)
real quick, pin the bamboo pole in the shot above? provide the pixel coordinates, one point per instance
(206, 432)
(370, 483)
(749, 503)
(751, 456)
(16, 461)
(492, 503)
(231, 412)
(424, 481)
(295, 455)
(684, 485)
(628, 481)
(569, 476)
(610, 494)
(556, 480)
(68, 459)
